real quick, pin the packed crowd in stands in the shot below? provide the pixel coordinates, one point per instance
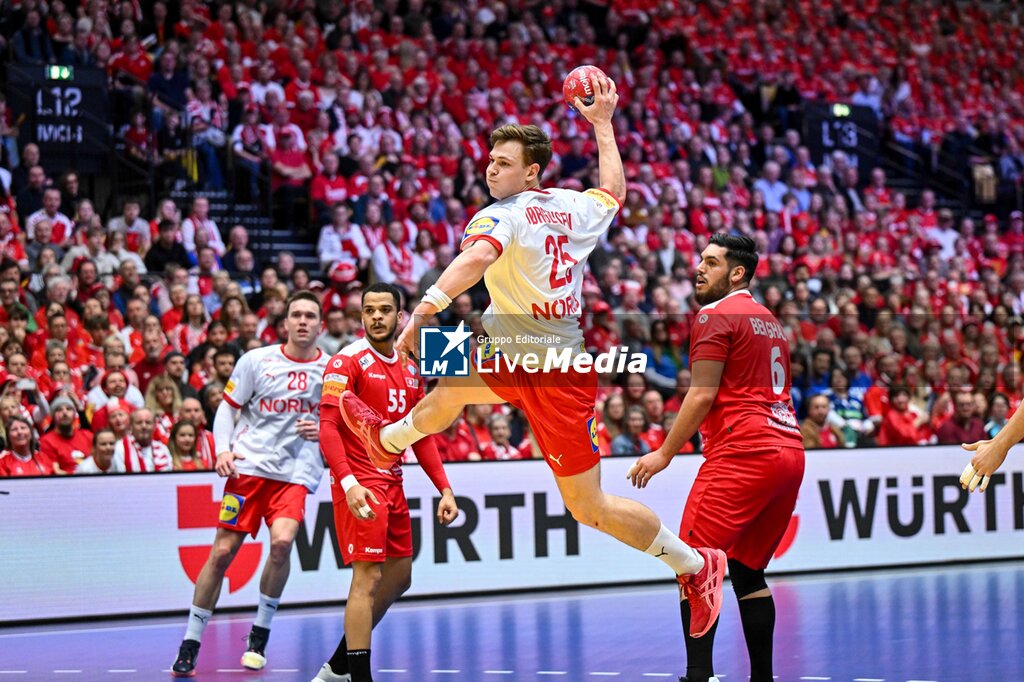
(371, 119)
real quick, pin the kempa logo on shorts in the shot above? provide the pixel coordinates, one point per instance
(371, 550)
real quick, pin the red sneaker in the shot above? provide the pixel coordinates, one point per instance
(366, 423)
(704, 591)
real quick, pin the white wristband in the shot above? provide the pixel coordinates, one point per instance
(437, 298)
(348, 483)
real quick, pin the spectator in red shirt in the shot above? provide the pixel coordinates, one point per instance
(328, 189)
(963, 426)
(500, 447)
(456, 443)
(902, 425)
(23, 458)
(64, 444)
(290, 172)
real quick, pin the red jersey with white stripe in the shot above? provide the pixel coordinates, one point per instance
(386, 384)
(752, 411)
(274, 391)
(544, 238)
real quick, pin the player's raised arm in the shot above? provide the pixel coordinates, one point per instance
(613, 178)
(990, 454)
(463, 272)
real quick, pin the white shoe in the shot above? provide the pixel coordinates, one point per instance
(253, 660)
(328, 675)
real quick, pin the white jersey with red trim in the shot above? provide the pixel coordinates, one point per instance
(273, 392)
(544, 238)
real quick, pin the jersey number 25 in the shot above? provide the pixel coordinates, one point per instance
(553, 246)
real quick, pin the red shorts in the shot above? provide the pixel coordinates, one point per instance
(248, 499)
(560, 409)
(743, 505)
(387, 536)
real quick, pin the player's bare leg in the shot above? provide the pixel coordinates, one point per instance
(374, 588)
(275, 575)
(700, 571)
(225, 546)
(439, 410)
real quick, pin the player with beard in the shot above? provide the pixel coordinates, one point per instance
(746, 489)
(370, 510)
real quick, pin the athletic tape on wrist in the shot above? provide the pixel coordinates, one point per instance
(348, 483)
(437, 298)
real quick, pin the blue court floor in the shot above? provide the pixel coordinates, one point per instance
(940, 624)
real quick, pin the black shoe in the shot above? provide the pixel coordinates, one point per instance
(185, 665)
(253, 659)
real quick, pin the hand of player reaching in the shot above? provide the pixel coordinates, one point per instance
(226, 464)
(988, 457)
(359, 500)
(406, 342)
(644, 469)
(308, 429)
(447, 509)
(605, 99)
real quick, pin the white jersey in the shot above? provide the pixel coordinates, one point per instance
(273, 392)
(544, 238)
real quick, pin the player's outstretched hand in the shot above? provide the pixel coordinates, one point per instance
(605, 99)
(447, 509)
(359, 501)
(644, 469)
(406, 342)
(308, 429)
(226, 464)
(988, 457)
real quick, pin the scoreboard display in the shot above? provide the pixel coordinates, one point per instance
(66, 111)
(842, 127)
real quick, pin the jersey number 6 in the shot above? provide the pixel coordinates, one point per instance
(553, 247)
(778, 371)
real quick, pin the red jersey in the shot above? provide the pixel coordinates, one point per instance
(13, 465)
(386, 384)
(67, 452)
(754, 390)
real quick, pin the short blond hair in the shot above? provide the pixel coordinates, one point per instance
(534, 141)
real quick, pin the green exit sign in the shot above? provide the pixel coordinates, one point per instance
(60, 73)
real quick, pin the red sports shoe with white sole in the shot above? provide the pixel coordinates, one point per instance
(704, 590)
(366, 423)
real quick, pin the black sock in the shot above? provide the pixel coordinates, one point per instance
(698, 651)
(359, 665)
(758, 617)
(339, 660)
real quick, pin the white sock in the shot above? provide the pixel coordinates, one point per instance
(400, 435)
(197, 621)
(266, 610)
(680, 557)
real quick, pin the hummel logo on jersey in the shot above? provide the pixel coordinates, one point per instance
(444, 351)
(556, 460)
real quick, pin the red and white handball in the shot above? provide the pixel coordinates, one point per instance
(581, 82)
